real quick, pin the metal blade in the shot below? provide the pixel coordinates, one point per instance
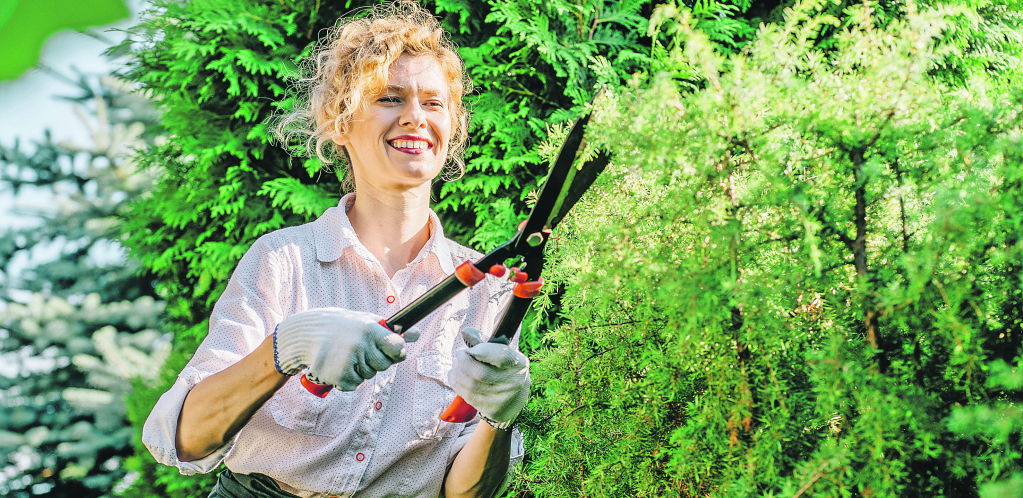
(579, 182)
(565, 184)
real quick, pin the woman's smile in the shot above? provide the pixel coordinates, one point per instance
(410, 144)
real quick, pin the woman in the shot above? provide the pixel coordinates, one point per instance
(386, 96)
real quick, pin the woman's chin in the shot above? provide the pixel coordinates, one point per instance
(412, 180)
(401, 174)
(421, 173)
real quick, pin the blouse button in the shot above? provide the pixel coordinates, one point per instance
(377, 405)
(360, 457)
(390, 299)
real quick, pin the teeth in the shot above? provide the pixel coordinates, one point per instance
(409, 144)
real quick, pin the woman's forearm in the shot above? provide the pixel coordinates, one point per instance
(481, 465)
(221, 404)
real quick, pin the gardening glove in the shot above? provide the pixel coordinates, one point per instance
(493, 377)
(339, 347)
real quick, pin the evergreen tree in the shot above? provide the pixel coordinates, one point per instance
(801, 279)
(79, 329)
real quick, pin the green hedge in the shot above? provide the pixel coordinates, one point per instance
(218, 66)
(802, 280)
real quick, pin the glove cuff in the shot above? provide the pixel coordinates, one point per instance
(289, 364)
(277, 357)
(501, 426)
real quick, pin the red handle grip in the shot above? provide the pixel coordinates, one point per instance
(458, 411)
(318, 390)
(321, 390)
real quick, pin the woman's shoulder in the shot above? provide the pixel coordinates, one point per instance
(286, 243)
(460, 253)
(301, 235)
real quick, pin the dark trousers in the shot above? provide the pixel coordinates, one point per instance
(231, 485)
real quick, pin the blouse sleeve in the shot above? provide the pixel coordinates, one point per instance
(244, 315)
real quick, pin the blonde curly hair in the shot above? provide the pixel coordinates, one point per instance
(350, 64)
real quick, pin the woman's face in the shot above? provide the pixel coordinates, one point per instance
(400, 140)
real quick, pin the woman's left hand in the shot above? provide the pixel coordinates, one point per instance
(493, 377)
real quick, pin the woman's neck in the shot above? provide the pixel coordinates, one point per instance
(394, 226)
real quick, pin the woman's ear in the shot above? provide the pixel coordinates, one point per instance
(339, 137)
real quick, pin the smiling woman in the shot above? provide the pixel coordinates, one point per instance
(352, 64)
(385, 96)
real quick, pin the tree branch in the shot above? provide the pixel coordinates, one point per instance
(902, 206)
(860, 243)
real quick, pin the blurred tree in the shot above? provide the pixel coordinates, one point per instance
(79, 325)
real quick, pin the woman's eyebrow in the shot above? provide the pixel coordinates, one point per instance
(429, 92)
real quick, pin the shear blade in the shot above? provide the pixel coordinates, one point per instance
(565, 184)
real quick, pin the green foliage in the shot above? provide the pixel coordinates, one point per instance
(80, 326)
(803, 278)
(542, 62)
(997, 427)
(63, 425)
(217, 67)
(988, 38)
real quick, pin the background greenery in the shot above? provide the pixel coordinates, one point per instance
(818, 295)
(778, 307)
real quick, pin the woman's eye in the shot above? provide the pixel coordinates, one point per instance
(389, 100)
(434, 103)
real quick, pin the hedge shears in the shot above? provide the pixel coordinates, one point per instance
(565, 184)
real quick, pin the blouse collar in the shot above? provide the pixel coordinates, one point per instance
(334, 233)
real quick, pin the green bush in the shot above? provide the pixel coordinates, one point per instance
(217, 67)
(802, 279)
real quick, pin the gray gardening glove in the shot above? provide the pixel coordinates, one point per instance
(493, 377)
(339, 347)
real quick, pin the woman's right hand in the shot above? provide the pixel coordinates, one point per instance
(339, 347)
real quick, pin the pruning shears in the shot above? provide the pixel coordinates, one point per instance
(565, 184)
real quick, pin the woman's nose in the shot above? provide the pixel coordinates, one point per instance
(412, 116)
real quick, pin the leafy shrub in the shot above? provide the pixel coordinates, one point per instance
(217, 67)
(803, 278)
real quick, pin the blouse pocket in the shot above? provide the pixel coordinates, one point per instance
(432, 396)
(295, 408)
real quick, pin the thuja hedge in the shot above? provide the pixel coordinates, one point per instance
(218, 69)
(802, 280)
